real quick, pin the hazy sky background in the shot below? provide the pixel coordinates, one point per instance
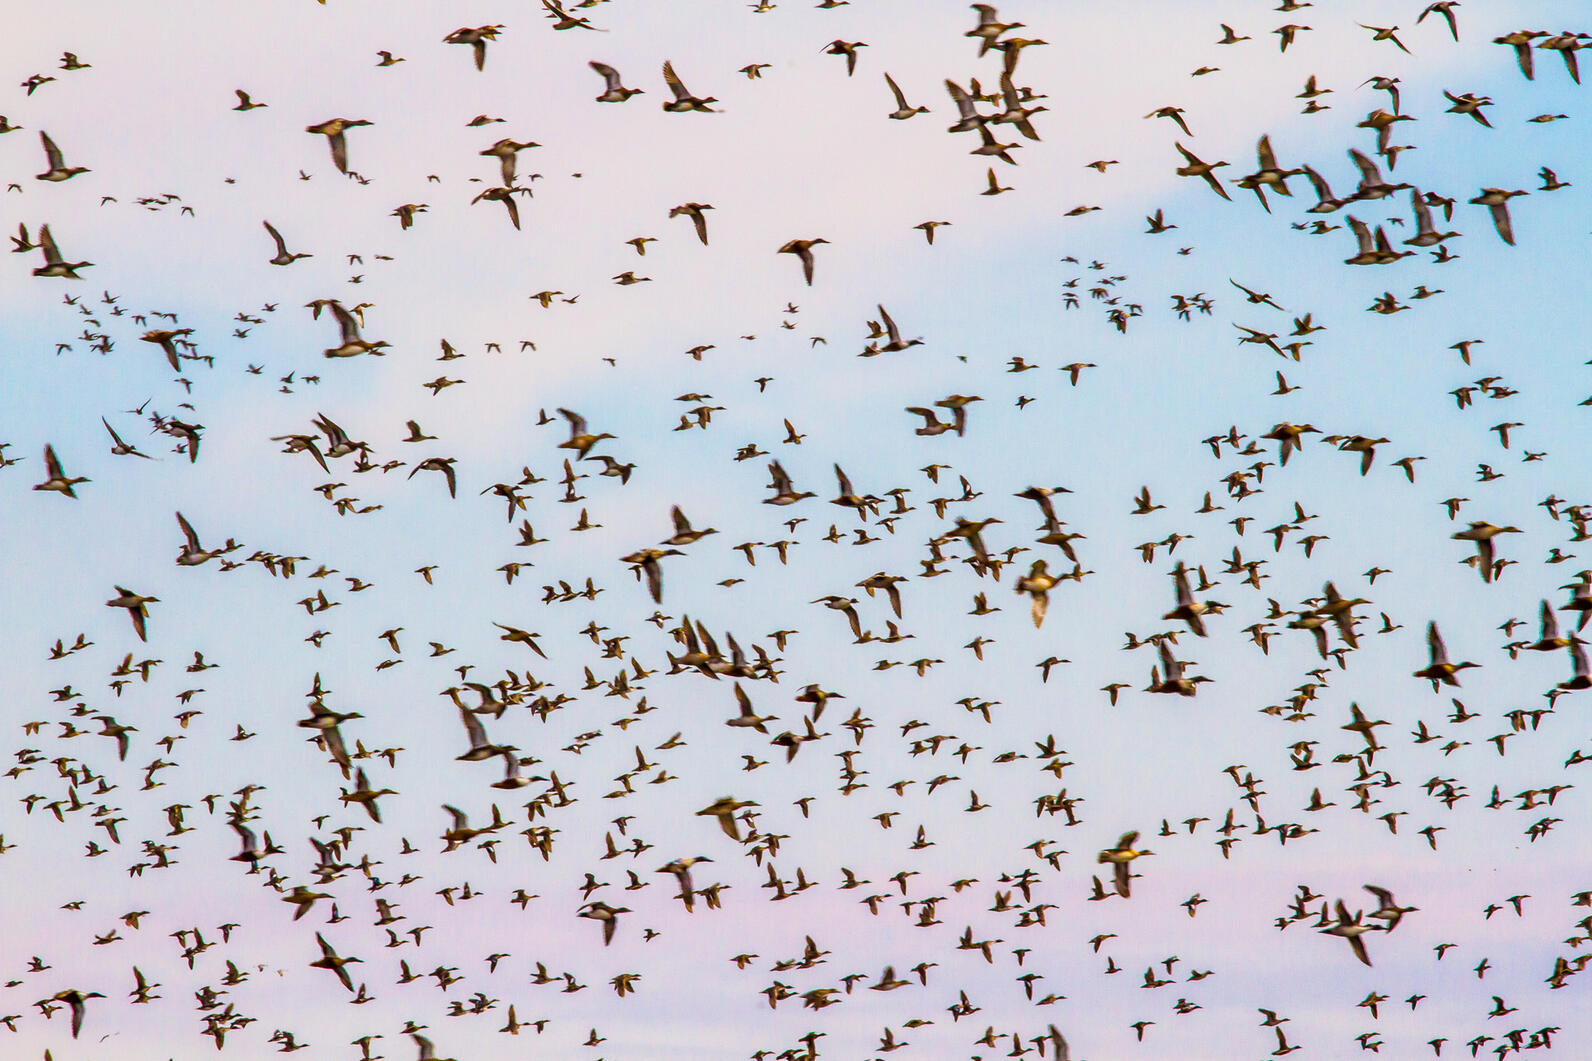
(803, 152)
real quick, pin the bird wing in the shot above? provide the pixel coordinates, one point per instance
(339, 151)
(1185, 596)
(51, 152)
(1319, 183)
(1434, 641)
(473, 728)
(1423, 213)
(281, 248)
(901, 101)
(673, 81)
(1009, 92)
(345, 323)
(964, 102)
(1550, 623)
(1500, 217)
(52, 254)
(245, 834)
(845, 483)
(334, 434)
(1370, 176)
(1485, 548)
(889, 325)
(114, 436)
(332, 738)
(577, 423)
(1578, 657)
(1362, 233)
(188, 532)
(1268, 161)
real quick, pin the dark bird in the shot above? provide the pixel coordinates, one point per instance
(75, 999)
(137, 607)
(1196, 168)
(1440, 670)
(282, 255)
(1496, 200)
(683, 100)
(476, 38)
(55, 265)
(614, 90)
(699, 221)
(333, 130)
(58, 481)
(59, 170)
(803, 249)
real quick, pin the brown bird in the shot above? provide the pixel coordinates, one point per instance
(1196, 168)
(137, 608)
(698, 221)
(333, 130)
(683, 100)
(803, 249)
(476, 38)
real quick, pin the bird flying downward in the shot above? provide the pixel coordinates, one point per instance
(333, 129)
(137, 608)
(698, 220)
(476, 38)
(75, 999)
(803, 249)
(607, 915)
(1119, 857)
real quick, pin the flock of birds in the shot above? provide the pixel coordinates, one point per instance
(564, 842)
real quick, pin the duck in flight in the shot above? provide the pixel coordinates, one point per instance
(683, 100)
(55, 265)
(614, 90)
(59, 170)
(333, 129)
(283, 257)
